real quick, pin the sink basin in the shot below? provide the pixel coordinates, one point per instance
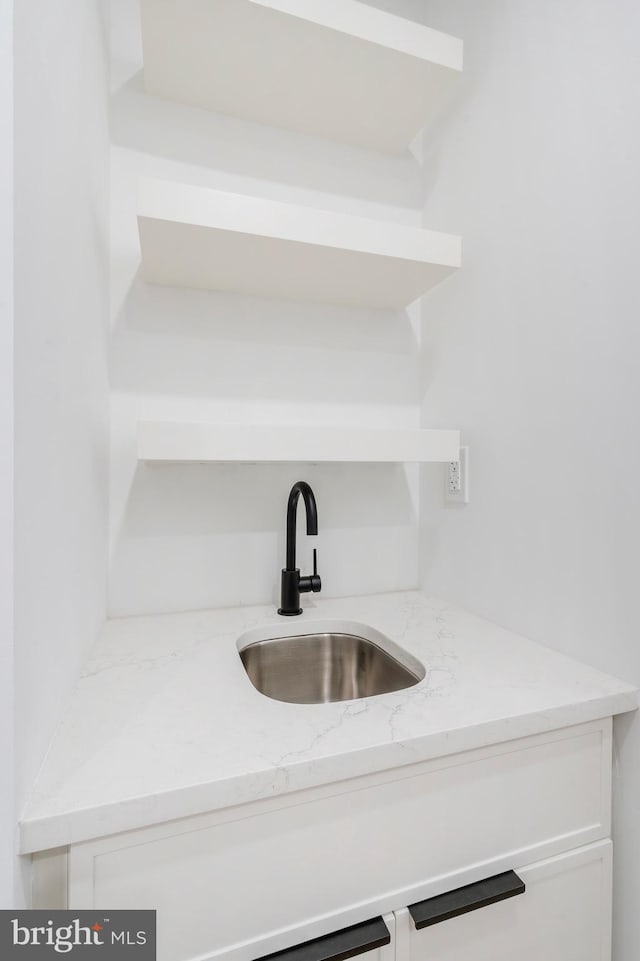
(333, 662)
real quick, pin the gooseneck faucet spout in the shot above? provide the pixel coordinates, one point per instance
(292, 584)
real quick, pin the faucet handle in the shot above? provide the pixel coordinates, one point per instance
(311, 582)
(316, 583)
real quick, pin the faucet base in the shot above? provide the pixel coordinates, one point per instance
(290, 593)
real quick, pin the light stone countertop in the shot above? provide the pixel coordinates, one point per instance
(164, 723)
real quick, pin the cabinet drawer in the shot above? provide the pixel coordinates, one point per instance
(283, 871)
(563, 915)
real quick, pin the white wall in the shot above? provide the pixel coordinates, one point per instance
(7, 813)
(536, 345)
(61, 390)
(189, 537)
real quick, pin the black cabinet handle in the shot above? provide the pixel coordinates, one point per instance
(339, 945)
(469, 898)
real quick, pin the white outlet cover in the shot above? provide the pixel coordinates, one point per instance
(456, 479)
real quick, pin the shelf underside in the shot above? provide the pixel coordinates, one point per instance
(202, 238)
(331, 68)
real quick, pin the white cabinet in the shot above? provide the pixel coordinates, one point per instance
(563, 914)
(555, 910)
(261, 878)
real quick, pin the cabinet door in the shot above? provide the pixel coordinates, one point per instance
(561, 912)
(319, 860)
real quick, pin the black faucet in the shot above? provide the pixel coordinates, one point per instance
(292, 585)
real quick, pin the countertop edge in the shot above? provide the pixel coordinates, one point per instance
(74, 827)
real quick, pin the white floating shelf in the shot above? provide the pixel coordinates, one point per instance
(332, 68)
(197, 237)
(171, 441)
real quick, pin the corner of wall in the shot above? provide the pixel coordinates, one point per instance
(61, 341)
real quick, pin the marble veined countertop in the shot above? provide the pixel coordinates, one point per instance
(164, 723)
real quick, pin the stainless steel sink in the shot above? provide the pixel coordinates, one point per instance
(326, 666)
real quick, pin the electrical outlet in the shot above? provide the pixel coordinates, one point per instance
(453, 479)
(457, 479)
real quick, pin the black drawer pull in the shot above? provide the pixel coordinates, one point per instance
(469, 898)
(339, 945)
